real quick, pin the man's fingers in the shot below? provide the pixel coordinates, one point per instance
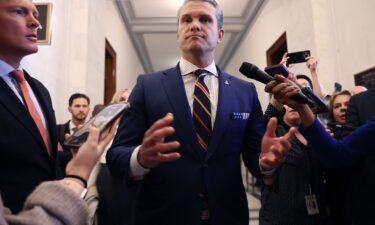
(168, 157)
(270, 162)
(165, 147)
(163, 122)
(291, 133)
(270, 85)
(157, 136)
(271, 127)
(94, 134)
(159, 148)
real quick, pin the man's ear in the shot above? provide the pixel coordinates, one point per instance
(69, 109)
(220, 37)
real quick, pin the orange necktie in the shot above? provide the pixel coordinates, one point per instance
(19, 76)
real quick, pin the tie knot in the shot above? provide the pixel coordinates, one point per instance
(18, 75)
(200, 72)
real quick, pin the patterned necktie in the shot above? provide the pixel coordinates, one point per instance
(20, 78)
(202, 110)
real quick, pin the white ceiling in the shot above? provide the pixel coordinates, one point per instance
(152, 25)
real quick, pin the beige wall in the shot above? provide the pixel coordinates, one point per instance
(74, 61)
(339, 32)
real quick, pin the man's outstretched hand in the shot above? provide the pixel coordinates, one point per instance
(275, 149)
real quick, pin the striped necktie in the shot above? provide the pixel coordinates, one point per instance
(202, 110)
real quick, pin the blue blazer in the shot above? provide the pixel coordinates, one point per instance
(349, 150)
(169, 193)
(24, 161)
(356, 149)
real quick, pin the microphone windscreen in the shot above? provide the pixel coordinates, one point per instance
(253, 72)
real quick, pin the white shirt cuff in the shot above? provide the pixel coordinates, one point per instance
(137, 172)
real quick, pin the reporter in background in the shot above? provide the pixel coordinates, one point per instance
(337, 112)
(60, 202)
(301, 175)
(353, 149)
(338, 180)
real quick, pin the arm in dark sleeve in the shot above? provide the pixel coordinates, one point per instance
(129, 134)
(339, 153)
(254, 133)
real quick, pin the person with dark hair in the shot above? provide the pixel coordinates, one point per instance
(304, 81)
(77, 96)
(79, 108)
(183, 136)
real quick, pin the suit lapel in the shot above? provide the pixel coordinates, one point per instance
(11, 102)
(223, 112)
(175, 89)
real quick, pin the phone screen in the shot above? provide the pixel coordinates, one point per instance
(101, 121)
(338, 87)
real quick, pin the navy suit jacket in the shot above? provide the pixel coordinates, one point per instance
(24, 161)
(169, 193)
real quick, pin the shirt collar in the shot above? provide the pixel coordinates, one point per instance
(187, 67)
(5, 68)
(72, 127)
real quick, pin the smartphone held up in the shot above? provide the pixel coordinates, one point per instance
(103, 121)
(298, 57)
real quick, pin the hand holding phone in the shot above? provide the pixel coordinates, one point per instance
(101, 121)
(277, 69)
(298, 57)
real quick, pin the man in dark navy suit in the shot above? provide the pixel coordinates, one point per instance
(186, 130)
(28, 126)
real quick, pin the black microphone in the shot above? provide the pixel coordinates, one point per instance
(253, 72)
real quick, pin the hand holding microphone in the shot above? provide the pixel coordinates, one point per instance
(281, 84)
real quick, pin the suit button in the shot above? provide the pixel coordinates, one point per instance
(205, 165)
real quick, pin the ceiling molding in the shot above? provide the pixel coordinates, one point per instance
(137, 27)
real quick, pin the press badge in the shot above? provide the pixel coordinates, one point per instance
(311, 204)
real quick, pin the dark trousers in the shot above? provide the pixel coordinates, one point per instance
(206, 222)
(116, 201)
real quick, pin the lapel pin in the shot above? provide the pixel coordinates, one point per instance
(226, 82)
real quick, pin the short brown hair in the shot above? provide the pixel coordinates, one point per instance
(219, 12)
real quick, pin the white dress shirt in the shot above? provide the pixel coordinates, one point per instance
(187, 69)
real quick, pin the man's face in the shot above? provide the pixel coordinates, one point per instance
(198, 30)
(79, 109)
(18, 28)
